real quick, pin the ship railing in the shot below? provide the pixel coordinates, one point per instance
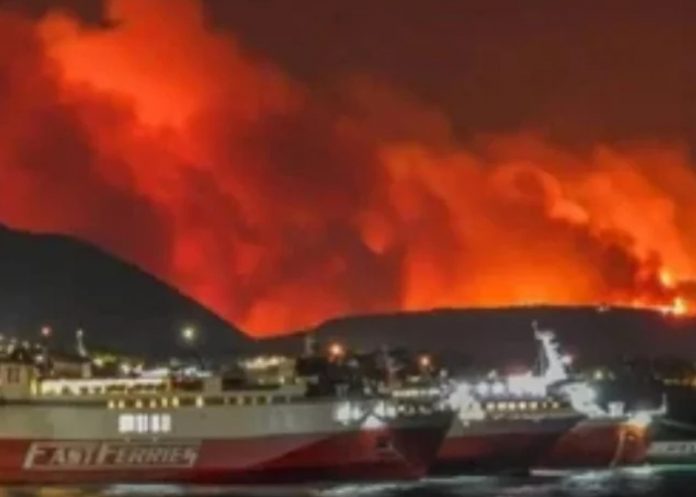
(76, 387)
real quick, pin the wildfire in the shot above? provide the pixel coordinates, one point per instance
(169, 145)
(679, 307)
(666, 278)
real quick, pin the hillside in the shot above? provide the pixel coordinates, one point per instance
(504, 336)
(67, 284)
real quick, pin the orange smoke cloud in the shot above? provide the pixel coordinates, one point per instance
(167, 144)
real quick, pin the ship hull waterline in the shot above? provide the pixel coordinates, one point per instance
(599, 443)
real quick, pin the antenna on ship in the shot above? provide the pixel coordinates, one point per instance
(80, 343)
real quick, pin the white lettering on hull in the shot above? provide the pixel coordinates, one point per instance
(677, 448)
(109, 455)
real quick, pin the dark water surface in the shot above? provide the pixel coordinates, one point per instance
(633, 482)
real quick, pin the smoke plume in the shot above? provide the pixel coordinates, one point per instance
(165, 142)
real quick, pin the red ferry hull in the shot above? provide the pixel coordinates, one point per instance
(598, 443)
(510, 452)
(353, 456)
(503, 451)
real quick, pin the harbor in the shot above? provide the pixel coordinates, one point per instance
(325, 416)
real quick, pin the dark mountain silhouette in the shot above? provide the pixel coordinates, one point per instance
(490, 337)
(67, 284)
(61, 282)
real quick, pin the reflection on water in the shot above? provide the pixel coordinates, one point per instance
(633, 482)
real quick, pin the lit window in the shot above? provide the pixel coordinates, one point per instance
(141, 423)
(165, 423)
(155, 423)
(144, 423)
(165, 402)
(126, 423)
(175, 402)
(199, 402)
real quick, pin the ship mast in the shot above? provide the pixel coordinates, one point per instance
(80, 343)
(554, 368)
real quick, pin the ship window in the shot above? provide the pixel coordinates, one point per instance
(126, 423)
(141, 423)
(155, 424)
(166, 423)
(144, 423)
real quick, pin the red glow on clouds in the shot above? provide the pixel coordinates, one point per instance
(170, 146)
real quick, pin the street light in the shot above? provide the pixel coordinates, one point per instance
(189, 335)
(336, 350)
(425, 362)
(46, 333)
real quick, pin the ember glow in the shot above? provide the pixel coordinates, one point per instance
(277, 206)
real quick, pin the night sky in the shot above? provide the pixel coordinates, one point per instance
(287, 162)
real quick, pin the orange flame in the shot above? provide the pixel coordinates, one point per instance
(170, 146)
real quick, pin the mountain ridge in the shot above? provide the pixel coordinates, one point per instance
(61, 282)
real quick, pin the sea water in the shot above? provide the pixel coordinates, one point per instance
(627, 482)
